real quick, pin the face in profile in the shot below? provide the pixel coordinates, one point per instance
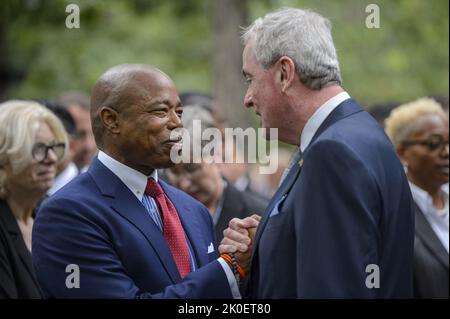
(84, 147)
(153, 112)
(426, 151)
(262, 92)
(38, 176)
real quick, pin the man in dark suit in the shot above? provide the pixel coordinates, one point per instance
(341, 225)
(117, 231)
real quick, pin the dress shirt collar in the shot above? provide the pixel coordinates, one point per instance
(63, 178)
(134, 180)
(424, 200)
(314, 122)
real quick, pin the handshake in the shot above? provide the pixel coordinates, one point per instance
(238, 240)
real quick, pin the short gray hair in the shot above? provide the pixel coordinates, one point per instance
(197, 112)
(302, 35)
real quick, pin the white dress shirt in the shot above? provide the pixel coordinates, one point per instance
(314, 122)
(311, 127)
(437, 218)
(137, 182)
(63, 178)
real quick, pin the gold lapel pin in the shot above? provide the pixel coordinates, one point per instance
(300, 162)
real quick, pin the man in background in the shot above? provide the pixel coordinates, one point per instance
(84, 146)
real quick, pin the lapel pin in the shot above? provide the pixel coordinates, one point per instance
(300, 162)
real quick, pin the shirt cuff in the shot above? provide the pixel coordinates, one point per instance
(231, 279)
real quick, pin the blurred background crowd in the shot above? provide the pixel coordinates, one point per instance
(398, 71)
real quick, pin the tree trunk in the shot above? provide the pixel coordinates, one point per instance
(228, 16)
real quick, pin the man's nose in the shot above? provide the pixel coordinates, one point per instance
(248, 100)
(175, 120)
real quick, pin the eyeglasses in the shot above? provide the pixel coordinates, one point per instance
(434, 142)
(40, 151)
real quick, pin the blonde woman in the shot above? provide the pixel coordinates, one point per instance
(419, 130)
(32, 141)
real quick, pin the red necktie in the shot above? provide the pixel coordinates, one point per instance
(172, 229)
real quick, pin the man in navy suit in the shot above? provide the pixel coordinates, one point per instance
(341, 225)
(117, 231)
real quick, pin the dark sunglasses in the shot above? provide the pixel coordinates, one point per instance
(40, 151)
(433, 142)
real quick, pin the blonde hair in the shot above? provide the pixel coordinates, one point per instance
(401, 122)
(19, 123)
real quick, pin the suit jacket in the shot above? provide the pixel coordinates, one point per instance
(430, 262)
(17, 279)
(342, 211)
(238, 204)
(96, 223)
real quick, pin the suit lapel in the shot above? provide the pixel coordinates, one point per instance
(123, 201)
(346, 108)
(284, 189)
(429, 238)
(25, 257)
(16, 236)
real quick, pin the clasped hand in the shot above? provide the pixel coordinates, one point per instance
(238, 239)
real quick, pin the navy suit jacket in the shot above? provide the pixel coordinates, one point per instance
(98, 224)
(345, 206)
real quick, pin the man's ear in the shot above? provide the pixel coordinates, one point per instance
(286, 73)
(110, 119)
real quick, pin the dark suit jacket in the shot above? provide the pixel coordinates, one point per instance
(96, 223)
(16, 273)
(430, 262)
(344, 207)
(238, 204)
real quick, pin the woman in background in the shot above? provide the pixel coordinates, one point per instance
(419, 130)
(32, 141)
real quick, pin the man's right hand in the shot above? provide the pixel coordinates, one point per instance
(238, 239)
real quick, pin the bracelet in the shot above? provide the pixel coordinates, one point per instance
(238, 272)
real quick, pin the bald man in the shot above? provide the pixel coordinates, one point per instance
(118, 231)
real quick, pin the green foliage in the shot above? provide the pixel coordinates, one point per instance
(405, 58)
(56, 58)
